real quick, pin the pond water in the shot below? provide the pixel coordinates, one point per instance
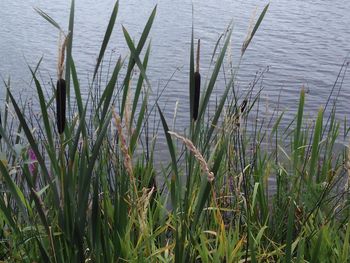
(304, 43)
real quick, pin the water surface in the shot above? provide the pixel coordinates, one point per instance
(304, 43)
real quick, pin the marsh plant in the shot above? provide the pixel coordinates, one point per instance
(80, 181)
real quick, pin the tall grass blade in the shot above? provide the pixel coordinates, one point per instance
(172, 155)
(76, 88)
(191, 77)
(346, 245)
(315, 144)
(132, 62)
(34, 146)
(48, 18)
(69, 50)
(298, 128)
(135, 55)
(106, 38)
(43, 108)
(211, 84)
(290, 228)
(13, 188)
(317, 247)
(250, 37)
(108, 92)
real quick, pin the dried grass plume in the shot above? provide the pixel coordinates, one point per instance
(203, 164)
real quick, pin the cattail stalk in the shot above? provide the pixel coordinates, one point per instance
(61, 90)
(244, 105)
(61, 105)
(197, 85)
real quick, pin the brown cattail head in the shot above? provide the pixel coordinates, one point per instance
(61, 105)
(244, 105)
(197, 85)
(197, 93)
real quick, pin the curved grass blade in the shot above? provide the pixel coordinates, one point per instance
(106, 37)
(29, 135)
(137, 130)
(85, 184)
(48, 18)
(316, 250)
(132, 62)
(139, 85)
(108, 93)
(7, 215)
(34, 147)
(76, 88)
(44, 254)
(217, 114)
(69, 51)
(250, 37)
(13, 188)
(43, 108)
(290, 229)
(7, 140)
(298, 128)
(191, 77)
(175, 180)
(135, 55)
(209, 90)
(315, 144)
(40, 209)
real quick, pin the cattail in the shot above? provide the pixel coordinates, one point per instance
(244, 105)
(197, 85)
(61, 105)
(61, 88)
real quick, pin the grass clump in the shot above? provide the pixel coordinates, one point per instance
(88, 190)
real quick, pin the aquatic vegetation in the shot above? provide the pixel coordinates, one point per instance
(83, 183)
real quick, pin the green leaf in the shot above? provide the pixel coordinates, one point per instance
(135, 55)
(13, 188)
(298, 128)
(139, 85)
(40, 210)
(290, 228)
(108, 92)
(345, 253)
(315, 144)
(69, 50)
(218, 112)
(249, 39)
(106, 37)
(76, 88)
(34, 147)
(211, 84)
(317, 247)
(172, 155)
(132, 62)
(7, 215)
(43, 108)
(48, 18)
(191, 77)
